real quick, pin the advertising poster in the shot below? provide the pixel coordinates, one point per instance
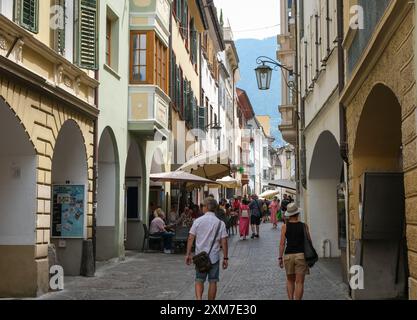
(68, 211)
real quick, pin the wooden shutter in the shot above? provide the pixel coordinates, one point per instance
(172, 79)
(185, 20)
(190, 103)
(195, 113)
(178, 13)
(184, 97)
(323, 31)
(202, 116)
(333, 23)
(59, 34)
(27, 14)
(87, 34)
(178, 88)
(194, 42)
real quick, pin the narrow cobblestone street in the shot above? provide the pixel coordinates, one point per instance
(253, 274)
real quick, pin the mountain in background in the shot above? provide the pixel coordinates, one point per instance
(263, 102)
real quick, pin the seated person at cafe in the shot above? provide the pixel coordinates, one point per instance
(172, 216)
(186, 220)
(158, 228)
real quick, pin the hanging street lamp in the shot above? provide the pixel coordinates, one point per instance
(264, 71)
(263, 76)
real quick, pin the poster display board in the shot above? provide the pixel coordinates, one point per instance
(68, 211)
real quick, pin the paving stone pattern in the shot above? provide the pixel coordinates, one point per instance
(253, 274)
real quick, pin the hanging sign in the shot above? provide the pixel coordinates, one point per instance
(68, 211)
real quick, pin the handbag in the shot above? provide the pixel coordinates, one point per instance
(245, 213)
(202, 260)
(310, 253)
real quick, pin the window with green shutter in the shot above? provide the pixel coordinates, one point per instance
(202, 116)
(195, 113)
(185, 20)
(190, 101)
(173, 79)
(184, 97)
(60, 28)
(178, 89)
(193, 34)
(87, 34)
(27, 14)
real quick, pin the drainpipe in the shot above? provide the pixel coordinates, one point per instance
(300, 122)
(233, 104)
(342, 122)
(171, 51)
(341, 67)
(95, 173)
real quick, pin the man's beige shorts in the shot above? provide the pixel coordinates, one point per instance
(295, 264)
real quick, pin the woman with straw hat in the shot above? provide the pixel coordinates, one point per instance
(292, 241)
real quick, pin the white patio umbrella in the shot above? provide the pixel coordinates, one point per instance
(210, 165)
(229, 182)
(268, 194)
(180, 177)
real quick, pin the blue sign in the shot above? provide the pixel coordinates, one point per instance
(68, 211)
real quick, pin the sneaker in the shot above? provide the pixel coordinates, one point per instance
(253, 236)
(167, 251)
(241, 238)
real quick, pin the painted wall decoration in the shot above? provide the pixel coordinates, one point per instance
(68, 211)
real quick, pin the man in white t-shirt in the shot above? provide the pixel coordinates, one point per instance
(203, 232)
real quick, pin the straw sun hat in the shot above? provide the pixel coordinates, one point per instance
(292, 210)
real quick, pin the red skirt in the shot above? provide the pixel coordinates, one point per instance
(243, 226)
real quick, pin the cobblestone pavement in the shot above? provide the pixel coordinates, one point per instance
(253, 274)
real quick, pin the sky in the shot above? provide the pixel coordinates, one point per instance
(251, 19)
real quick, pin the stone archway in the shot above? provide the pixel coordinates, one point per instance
(18, 192)
(70, 181)
(135, 197)
(107, 197)
(325, 174)
(378, 186)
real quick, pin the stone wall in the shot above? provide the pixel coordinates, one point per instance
(395, 69)
(42, 117)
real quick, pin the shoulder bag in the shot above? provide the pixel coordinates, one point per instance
(245, 213)
(202, 260)
(310, 253)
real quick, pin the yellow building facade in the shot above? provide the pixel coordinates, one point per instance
(47, 123)
(380, 103)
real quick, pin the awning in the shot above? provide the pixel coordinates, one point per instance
(179, 176)
(288, 184)
(210, 165)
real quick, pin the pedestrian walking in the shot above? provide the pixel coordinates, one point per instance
(274, 207)
(255, 215)
(244, 216)
(210, 236)
(292, 244)
(265, 211)
(284, 203)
